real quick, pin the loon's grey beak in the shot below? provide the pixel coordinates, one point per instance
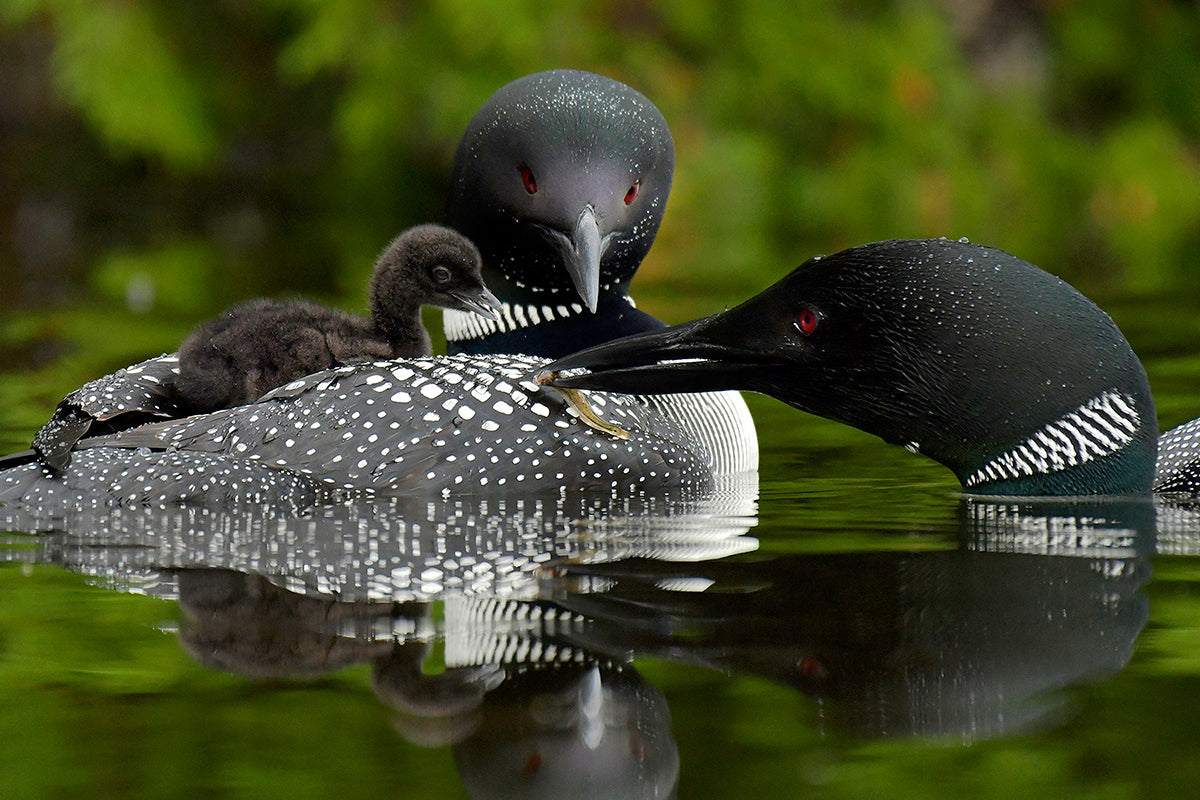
(700, 356)
(480, 301)
(582, 256)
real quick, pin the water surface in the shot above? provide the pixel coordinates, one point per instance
(851, 627)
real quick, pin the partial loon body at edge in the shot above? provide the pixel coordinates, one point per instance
(981, 361)
(561, 182)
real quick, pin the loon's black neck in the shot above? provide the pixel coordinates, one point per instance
(551, 326)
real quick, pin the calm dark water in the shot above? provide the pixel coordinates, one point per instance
(852, 629)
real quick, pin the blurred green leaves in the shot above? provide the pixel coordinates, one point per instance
(112, 61)
(177, 278)
(1068, 134)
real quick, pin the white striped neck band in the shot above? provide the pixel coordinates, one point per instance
(1100, 427)
(464, 325)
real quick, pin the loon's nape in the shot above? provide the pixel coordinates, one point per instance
(999, 370)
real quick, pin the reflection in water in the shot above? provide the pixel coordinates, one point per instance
(400, 548)
(268, 595)
(545, 602)
(526, 717)
(242, 623)
(969, 643)
(579, 731)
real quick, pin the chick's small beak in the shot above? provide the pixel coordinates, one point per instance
(480, 301)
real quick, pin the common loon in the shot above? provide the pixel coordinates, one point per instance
(966, 354)
(560, 180)
(262, 344)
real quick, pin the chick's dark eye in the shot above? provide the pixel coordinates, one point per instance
(528, 179)
(441, 274)
(633, 192)
(807, 320)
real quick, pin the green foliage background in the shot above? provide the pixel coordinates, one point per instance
(159, 160)
(174, 157)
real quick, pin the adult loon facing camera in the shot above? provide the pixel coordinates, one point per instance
(556, 243)
(561, 179)
(981, 361)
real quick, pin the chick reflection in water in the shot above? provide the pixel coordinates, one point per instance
(525, 714)
(967, 644)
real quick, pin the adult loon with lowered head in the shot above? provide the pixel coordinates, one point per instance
(966, 354)
(561, 180)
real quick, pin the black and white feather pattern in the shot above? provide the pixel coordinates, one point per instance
(1098, 428)
(457, 424)
(1178, 468)
(143, 390)
(463, 326)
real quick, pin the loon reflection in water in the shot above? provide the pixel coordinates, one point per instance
(970, 643)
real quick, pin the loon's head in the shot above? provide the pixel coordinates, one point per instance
(561, 179)
(427, 265)
(1002, 372)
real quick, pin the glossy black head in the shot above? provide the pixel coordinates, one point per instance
(967, 354)
(428, 265)
(561, 180)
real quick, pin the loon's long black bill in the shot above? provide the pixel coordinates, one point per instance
(700, 356)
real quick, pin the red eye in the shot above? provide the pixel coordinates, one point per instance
(528, 179)
(810, 667)
(806, 320)
(633, 192)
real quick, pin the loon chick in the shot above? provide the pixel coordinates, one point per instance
(262, 344)
(981, 361)
(594, 158)
(561, 179)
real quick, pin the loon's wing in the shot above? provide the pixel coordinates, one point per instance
(122, 399)
(1178, 466)
(461, 423)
